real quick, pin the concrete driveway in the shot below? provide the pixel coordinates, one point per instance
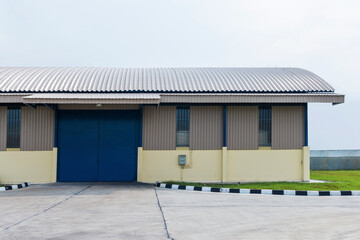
(137, 211)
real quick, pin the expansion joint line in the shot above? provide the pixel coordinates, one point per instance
(47, 209)
(163, 217)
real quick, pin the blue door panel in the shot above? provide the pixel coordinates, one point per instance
(117, 146)
(97, 145)
(78, 146)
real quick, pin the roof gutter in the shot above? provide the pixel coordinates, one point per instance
(124, 98)
(333, 98)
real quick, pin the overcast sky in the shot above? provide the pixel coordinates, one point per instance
(320, 36)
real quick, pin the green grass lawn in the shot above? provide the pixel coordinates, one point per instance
(340, 180)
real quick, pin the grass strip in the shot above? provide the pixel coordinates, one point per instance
(339, 180)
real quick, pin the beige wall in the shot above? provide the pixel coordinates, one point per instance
(28, 166)
(3, 120)
(163, 165)
(264, 165)
(206, 127)
(242, 127)
(37, 129)
(306, 163)
(288, 127)
(224, 165)
(159, 128)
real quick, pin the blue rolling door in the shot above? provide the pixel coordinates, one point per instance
(97, 146)
(118, 146)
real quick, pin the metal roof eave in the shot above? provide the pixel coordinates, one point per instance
(81, 98)
(107, 98)
(333, 98)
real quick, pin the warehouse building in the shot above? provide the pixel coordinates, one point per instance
(156, 124)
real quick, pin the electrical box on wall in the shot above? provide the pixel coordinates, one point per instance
(182, 160)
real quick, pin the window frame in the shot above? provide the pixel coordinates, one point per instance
(13, 127)
(265, 126)
(183, 125)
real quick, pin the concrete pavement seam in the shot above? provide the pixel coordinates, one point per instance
(257, 191)
(163, 217)
(47, 209)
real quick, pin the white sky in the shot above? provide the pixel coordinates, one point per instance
(320, 36)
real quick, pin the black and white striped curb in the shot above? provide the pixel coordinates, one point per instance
(15, 186)
(258, 191)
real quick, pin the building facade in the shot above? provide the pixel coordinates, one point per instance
(147, 125)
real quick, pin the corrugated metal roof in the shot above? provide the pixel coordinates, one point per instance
(71, 79)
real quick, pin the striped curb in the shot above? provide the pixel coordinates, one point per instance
(258, 191)
(15, 186)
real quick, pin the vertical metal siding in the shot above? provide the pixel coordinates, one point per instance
(206, 127)
(37, 129)
(242, 127)
(159, 128)
(288, 127)
(3, 119)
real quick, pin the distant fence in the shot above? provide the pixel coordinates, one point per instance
(335, 159)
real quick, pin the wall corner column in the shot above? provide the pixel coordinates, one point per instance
(224, 165)
(139, 164)
(224, 149)
(306, 164)
(54, 165)
(306, 126)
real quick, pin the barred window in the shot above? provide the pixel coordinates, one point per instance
(13, 127)
(265, 126)
(182, 126)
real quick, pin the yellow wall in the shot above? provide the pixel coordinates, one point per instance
(306, 163)
(224, 165)
(28, 166)
(163, 165)
(264, 165)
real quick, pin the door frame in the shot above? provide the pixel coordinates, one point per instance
(138, 133)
